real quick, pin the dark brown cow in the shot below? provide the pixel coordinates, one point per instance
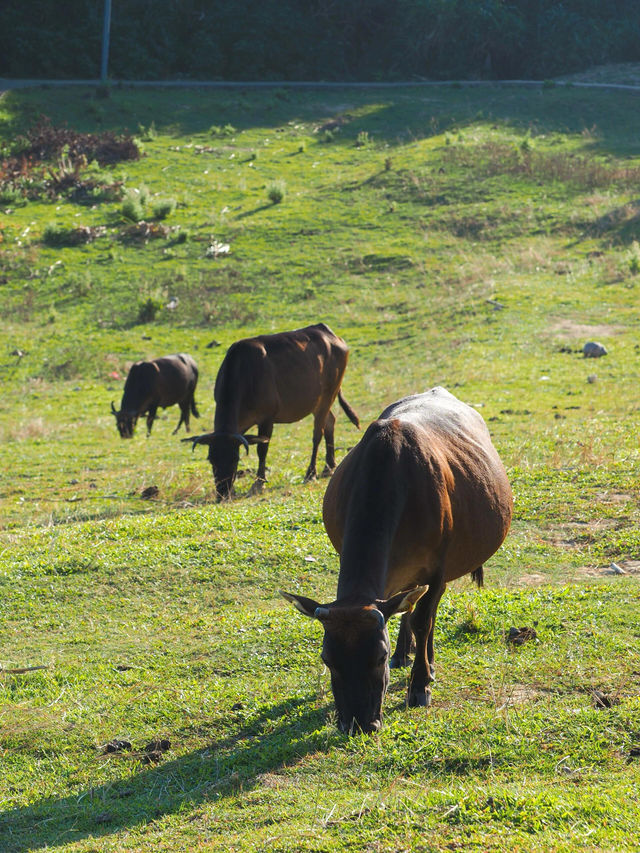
(275, 379)
(161, 382)
(421, 500)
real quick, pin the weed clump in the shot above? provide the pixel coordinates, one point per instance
(222, 132)
(135, 202)
(148, 310)
(164, 207)
(276, 191)
(58, 236)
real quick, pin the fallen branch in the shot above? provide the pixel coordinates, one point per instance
(22, 669)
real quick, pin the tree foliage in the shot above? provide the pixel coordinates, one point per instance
(317, 39)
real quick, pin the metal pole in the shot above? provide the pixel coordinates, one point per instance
(105, 41)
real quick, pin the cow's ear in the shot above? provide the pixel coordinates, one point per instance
(402, 602)
(257, 439)
(306, 606)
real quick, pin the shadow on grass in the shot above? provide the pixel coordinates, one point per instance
(607, 121)
(278, 736)
(254, 211)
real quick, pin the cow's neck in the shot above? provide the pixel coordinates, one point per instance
(370, 529)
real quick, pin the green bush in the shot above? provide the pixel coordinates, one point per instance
(164, 207)
(148, 309)
(276, 191)
(135, 201)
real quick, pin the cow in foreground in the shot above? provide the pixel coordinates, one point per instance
(275, 379)
(150, 385)
(421, 500)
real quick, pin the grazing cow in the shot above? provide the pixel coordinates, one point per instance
(421, 500)
(275, 379)
(161, 382)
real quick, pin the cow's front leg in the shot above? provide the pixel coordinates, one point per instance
(151, 414)
(264, 429)
(404, 645)
(422, 621)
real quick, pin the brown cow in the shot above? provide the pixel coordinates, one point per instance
(421, 500)
(150, 385)
(275, 379)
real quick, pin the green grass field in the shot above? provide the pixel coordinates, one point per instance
(469, 237)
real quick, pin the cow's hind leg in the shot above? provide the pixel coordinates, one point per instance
(404, 645)
(330, 463)
(318, 429)
(422, 621)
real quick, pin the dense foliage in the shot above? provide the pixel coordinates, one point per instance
(317, 39)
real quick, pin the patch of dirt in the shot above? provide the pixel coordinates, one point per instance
(271, 780)
(630, 567)
(532, 579)
(614, 497)
(519, 636)
(568, 535)
(583, 330)
(516, 694)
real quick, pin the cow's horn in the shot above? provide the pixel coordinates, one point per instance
(197, 439)
(380, 617)
(242, 440)
(321, 613)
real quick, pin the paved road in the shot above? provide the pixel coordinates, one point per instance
(6, 84)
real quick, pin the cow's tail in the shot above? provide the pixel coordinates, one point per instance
(194, 410)
(478, 576)
(346, 408)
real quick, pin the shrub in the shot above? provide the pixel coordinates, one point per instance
(363, 140)
(183, 236)
(134, 204)
(276, 191)
(227, 130)
(10, 195)
(58, 236)
(147, 134)
(132, 209)
(148, 309)
(164, 207)
(55, 235)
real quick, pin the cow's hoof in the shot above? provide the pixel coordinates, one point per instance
(419, 698)
(310, 476)
(327, 472)
(399, 662)
(257, 487)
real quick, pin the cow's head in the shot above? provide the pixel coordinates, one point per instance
(125, 421)
(355, 649)
(224, 453)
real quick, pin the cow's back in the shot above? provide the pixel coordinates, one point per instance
(280, 377)
(425, 487)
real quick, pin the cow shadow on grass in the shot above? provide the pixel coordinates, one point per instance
(278, 736)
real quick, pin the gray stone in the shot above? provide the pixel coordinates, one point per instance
(593, 350)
